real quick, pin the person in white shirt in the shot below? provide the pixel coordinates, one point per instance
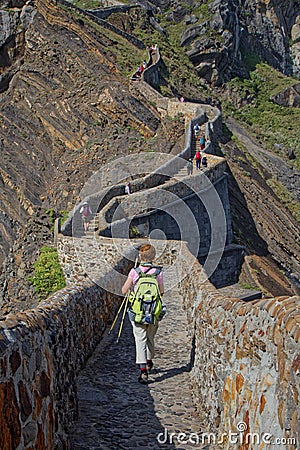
(127, 189)
(86, 214)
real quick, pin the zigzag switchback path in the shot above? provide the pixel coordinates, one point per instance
(116, 412)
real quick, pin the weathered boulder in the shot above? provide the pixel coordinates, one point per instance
(190, 19)
(178, 14)
(290, 96)
(8, 24)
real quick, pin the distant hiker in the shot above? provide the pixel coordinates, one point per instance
(202, 143)
(146, 307)
(153, 48)
(204, 161)
(196, 130)
(127, 188)
(181, 99)
(190, 166)
(86, 215)
(198, 159)
(291, 154)
(137, 74)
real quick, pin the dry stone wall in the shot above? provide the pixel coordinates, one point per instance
(246, 371)
(167, 209)
(246, 364)
(161, 172)
(41, 352)
(141, 200)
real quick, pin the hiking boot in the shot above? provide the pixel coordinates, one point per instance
(149, 366)
(143, 378)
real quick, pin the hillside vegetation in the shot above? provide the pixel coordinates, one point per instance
(67, 108)
(276, 126)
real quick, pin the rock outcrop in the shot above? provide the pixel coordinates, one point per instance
(235, 31)
(65, 110)
(289, 97)
(268, 229)
(65, 107)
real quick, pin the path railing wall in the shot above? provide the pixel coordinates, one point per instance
(140, 200)
(246, 364)
(98, 200)
(246, 369)
(41, 352)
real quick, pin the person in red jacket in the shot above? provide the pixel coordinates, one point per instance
(198, 159)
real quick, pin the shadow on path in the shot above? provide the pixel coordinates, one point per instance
(115, 411)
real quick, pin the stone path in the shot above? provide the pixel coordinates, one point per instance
(116, 412)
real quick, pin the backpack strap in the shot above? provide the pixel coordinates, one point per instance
(140, 272)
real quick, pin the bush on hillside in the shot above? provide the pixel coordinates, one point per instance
(48, 276)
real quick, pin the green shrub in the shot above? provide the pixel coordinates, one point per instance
(87, 4)
(134, 232)
(248, 286)
(48, 276)
(64, 216)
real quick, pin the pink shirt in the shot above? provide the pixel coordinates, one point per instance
(134, 275)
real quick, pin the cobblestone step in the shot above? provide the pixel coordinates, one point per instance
(116, 412)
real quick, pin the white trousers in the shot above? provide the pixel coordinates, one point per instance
(144, 341)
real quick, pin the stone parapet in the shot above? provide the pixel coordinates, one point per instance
(151, 73)
(247, 364)
(140, 201)
(160, 173)
(41, 352)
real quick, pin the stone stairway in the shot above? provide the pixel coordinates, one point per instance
(98, 221)
(116, 412)
(93, 225)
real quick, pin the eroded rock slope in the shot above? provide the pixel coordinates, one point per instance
(65, 109)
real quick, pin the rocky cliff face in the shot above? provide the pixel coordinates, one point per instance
(65, 110)
(263, 224)
(223, 43)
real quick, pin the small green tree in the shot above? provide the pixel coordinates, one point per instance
(48, 276)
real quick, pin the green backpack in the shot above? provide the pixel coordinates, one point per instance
(145, 300)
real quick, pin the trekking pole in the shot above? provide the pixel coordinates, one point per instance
(123, 317)
(117, 315)
(125, 308)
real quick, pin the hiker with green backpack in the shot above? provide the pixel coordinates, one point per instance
(146, 307)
